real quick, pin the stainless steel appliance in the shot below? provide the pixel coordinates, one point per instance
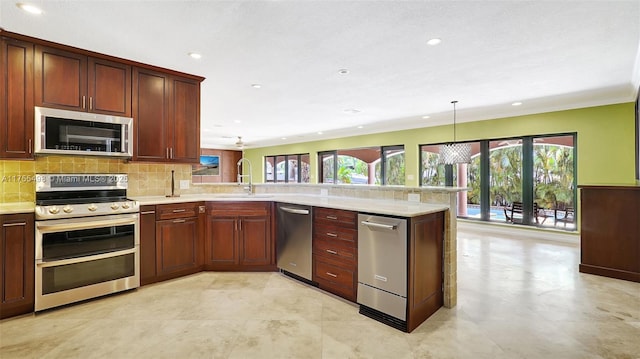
(382, 269)
(87, 238)
(294, 240)
(82, 133)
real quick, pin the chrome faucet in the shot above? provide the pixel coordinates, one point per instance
(241, 176)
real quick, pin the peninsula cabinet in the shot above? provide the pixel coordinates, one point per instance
(16, 99)
(73, 81)
(178, 239)
(17, 264)
(239, 236)
(610, 231)
(166, 109)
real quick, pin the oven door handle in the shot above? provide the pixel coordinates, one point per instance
(61, 227)
(54, 263)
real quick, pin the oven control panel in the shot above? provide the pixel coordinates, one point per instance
(85, 210)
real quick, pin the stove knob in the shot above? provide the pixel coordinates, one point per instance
(67, 209)
(54, 210)
(115, 206)
(125, 205)
(92, 207)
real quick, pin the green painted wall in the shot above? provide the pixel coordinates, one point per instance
(606, 141)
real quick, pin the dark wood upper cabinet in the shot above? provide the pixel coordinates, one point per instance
(73, 81)
(185, 128)
(166, 110)
(16, 99)
(151, 115)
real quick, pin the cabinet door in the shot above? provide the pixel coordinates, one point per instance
(256, 241)
(184, 133)
(16, 99)
(17, 264)
(109, 87)
(151, 115)
(221, 241)
(176, 245)
(60, 79)
(147, 244)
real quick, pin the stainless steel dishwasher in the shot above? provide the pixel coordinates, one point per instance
(382, 269)
(293, 248)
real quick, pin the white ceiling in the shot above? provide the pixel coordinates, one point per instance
(550, 55)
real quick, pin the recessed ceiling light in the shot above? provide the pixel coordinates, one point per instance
(283, 138)
(319, 132)
(32, 9)
(343, 71)
(256, 86)
(426, 117)
(351, 110)
(516, 104)
(360, 126)
(195, 55)
(237, 121)
(434, 41)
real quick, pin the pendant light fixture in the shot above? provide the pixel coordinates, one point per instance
(453, 153)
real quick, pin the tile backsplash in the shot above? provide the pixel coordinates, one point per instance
(17, 178)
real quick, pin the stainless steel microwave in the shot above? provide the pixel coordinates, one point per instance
(82, 133)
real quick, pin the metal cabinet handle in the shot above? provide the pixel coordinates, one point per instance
(379, 225)
(179, 210)
(331, 251)
(84, 102)
(331, 234)
(148, 212)
(332, 275)
(295, 210)
(179, 220)
(332, 217)
(171, 152)
(30, 149)
(14, 224)
(90, 103)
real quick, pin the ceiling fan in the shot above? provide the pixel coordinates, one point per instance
(239, 143)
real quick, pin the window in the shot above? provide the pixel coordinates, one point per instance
(287, 168)
(368, 165)
(537, 171)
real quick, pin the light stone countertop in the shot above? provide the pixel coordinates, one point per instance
(17, 207)
(377, 206)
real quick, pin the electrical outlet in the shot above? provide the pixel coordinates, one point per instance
(184, 184)
(414, 197)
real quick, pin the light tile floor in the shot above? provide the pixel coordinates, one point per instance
(517, 298)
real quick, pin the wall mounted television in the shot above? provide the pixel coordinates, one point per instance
(208, 166)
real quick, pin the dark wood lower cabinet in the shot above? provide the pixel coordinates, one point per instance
(239, 236)
(17, 264)
(176, 245)
(147, 245)
(610, 231)
(425, 272)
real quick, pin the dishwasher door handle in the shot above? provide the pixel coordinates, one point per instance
(295, 210)
(391, 227)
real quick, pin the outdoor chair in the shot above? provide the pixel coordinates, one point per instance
(564, 216)
(513, 214)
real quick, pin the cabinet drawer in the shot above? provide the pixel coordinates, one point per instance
(325, 232)
(239, 209)
(339, 217)
(178, 210)
(336, 250)
(332, 273)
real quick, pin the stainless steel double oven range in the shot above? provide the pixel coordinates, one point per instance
(87, 238)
